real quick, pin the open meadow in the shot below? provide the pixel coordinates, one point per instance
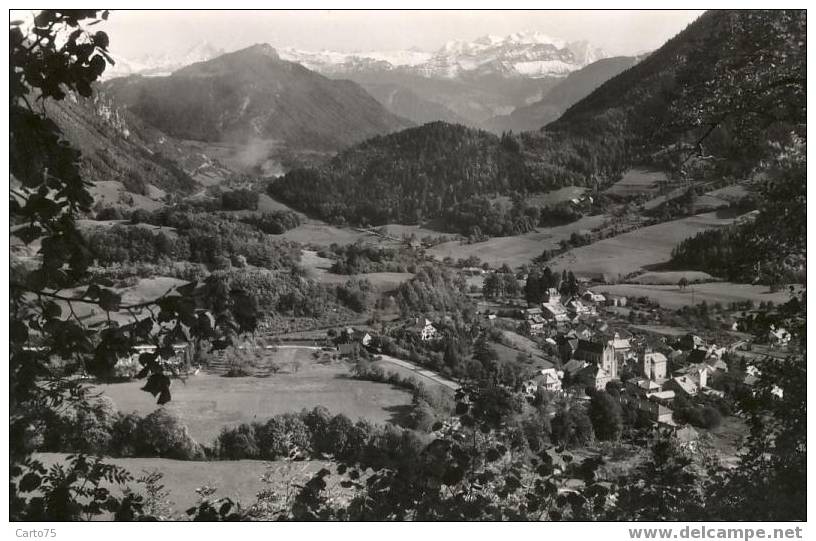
(516, 250)
(208, 402)
(617, 257)
(240, 480)
(671, 296)
(318, 268)
(637, 182)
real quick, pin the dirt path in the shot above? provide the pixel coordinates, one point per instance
(424, 372)
(433, 376)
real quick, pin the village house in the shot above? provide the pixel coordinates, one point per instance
(657, 413)
(654, 366)
(778, 336)
(548, 379)
(593, 297)
(683, 385)
(425, 329)
(574, 366)
(596, 374)
(699, 372)
(577, 308)
(642, 386)
(554, 311)
(691, 341)
(662, 397)
(615, 300)
(473, 271)
(536, 324)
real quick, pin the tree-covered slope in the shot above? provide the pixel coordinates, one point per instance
(576, 86)
(710, 101)
(422, 172)
(253, 94)
(719, 90)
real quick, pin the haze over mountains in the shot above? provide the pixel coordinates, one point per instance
(573, 88)
(463, 81)
(254, 94)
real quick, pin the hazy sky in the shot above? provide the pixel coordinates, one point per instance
(134, 33)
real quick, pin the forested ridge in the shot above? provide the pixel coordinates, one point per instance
(423, 172)
(718, 90)
(706, 103)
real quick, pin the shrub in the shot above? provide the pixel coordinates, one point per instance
(237, 443)
(338, 436)
(239, 200)
(83, 430)
(162, 434)
(123, 434)
(710, 417)
(109, 213)
(282, 436)
(317, 420)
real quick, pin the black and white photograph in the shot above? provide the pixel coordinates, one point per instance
(409, 265)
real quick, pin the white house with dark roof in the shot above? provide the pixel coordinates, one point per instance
(554, 311)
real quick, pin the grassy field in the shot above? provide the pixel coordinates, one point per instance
(320, 234)
(237, 479)
(89, 224)
(663, 330)
(670, 277)
(516, 250)
(397, 230)
(638, 181)
(205, 403)
(145, 289)
(113, 193)
(732, 193)
(318, 268)
(556, 196)
(671, 296)
(624, 254)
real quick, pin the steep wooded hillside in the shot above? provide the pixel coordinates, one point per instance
(252, 95)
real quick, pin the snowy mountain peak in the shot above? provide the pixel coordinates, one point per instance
(534, 38)
(528, 54)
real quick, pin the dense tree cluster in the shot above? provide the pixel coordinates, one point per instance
(749, 250)
(539, 282)
(214, 239)
(288, 293)
(433, 289)
(241, 199)
(424, 172)
(500, 285)
(360, 258)
(275, 222)
(480, 216)
(722, 88)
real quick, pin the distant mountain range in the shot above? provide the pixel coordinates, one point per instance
(523, 54)
(570, 90)
(466, 81)
(162, 64)
(253, 94)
